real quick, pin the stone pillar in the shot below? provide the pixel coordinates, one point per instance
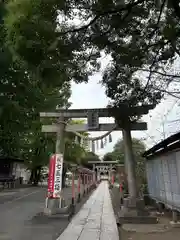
(129, 161)
(175, 219)
(52, 205)
(60, 145)
(60, 137)
(174, 216)
(133, 206)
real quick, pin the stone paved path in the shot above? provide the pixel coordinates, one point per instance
(95, 221)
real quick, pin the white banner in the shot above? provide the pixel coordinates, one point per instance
(58, 175)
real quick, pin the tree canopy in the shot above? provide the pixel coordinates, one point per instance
(24, 93)
(140, 36)
(33, 37)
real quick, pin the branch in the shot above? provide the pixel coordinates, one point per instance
(157, 51)
(128, 7)
(85, 27)
(175, 48)
(160, 73)
(175, 4)
(167, 92)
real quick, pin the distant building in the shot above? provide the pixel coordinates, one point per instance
(13, 168)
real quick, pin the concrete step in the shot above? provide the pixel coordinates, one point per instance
(137, 219)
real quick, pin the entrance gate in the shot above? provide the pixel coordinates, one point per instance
(123, 122)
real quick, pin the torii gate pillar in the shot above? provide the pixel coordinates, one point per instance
(129, 162)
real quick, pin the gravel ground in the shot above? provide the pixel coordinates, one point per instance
(168, 233)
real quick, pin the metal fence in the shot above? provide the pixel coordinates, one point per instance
(163, 175)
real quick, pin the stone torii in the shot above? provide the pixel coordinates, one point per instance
(125, 125)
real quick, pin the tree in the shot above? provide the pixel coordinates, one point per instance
(140, 36)
(110, 156)
(22, 97)
(118, 154)
(90, 156)
(33, 38)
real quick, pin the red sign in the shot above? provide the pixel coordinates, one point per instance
(52, 166)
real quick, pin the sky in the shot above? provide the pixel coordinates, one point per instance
(161, 121)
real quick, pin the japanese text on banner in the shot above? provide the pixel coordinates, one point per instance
(58, 174)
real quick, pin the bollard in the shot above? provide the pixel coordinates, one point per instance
(174, 216)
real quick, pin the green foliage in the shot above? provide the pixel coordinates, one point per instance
(35, 76)
(138, 35)
(32, 36)
(22, 97)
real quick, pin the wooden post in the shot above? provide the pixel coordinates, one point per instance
(79, 187)
(73, 189)
(84, 179)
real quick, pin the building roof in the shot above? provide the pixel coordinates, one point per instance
(103, 162)
(169, 144)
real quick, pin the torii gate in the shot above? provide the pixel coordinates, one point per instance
(93, 115)
(104, 167)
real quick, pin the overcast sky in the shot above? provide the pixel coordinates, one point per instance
(160, 120)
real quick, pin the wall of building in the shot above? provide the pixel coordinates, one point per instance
(20, 170)
(163, 176)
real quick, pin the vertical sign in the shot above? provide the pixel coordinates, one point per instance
(93, 120)
(51, 176)
(58, 175)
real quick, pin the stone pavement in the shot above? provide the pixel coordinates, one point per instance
(96, 220)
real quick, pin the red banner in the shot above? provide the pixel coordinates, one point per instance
(52, 166)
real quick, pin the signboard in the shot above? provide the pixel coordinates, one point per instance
(93, 120)
(58, 175)
(55, 176)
